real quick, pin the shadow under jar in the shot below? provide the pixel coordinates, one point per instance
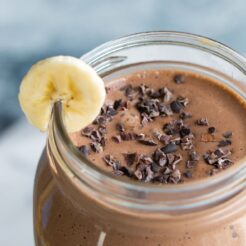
(76, 203)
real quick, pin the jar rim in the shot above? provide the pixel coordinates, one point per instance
(178, 38)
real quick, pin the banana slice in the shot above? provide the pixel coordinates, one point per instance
(63, 78)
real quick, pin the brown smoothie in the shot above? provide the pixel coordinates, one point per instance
(198, 118)
(197, 129)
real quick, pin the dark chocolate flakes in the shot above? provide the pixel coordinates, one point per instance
(188, 174)
(227, 134)
(179, 79)
(191, 164)
(130, 158)
(117, 104)
(96, 147)
(193, 156)
(211, 130)
(127, 136)
(120, 127)
(176, 106)
(85, 150)
(173, 127)
(86, 131)
(184, 131)
(130, 92)
(224, 142)
(126, 171)
(111, 161)
(162, 164)
(117, 138)
(202, 122)
(166, 94)
(148, 142)
(219, 158)
(184, 115)
(169, 148)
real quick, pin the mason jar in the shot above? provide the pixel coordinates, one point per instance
(76, 203)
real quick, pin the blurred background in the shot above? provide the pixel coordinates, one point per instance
(34, 29)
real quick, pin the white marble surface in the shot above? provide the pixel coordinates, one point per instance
(20, 148)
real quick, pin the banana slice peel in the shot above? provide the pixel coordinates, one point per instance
(66, 79)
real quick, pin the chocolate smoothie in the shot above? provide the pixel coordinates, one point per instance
(174, 122)
(161, 127)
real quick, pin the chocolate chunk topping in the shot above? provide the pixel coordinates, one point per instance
(139, 172)
(193, 159)
(179, 79)
(95, 136)
(127, 171)
(143, 170)
(183, 100)
(118, 172)
(175, 177)
(213, 171)
(176, 106)
(149, 174)
(169, 148)
(160, 158)
(162, 164)
(218, 158)
(184, 131)
(87, 131)
(140, 136)
(145, 119)
(96, 147)
(102, 130)
(173, 127)
(227, 134)
(154, 94)
(177, 159)
(152, 103)
(148, 142)
(202, 122)
(120, 104)
(129, 90)
(164, 110)
(193, 156)
(190, 164)
(149, 107)
(163, 138)
(144, 159)
(187, 142)
(143, 89)
(155, 167)
(188, 174)
(120, 127)
(167, 94)
(117, 138)
(211, 130)
(85, 150)
(101, 120)
(224, 142)
(111, 161)
(130, 158)
(117, 104)
(185, 115)
(126, 136)
(110, 111)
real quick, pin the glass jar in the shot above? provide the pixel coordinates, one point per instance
(75, 203)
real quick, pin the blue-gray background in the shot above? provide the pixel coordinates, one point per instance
(34, 29)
